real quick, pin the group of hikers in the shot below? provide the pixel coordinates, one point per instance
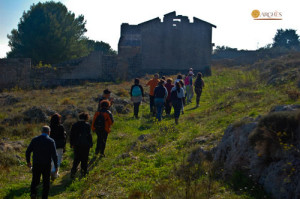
(164, 94)
(48, 148)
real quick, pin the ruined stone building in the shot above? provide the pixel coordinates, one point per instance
(172, 45)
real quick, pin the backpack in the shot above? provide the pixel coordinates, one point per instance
(83, 139)
(160, 92)
(136, 91)
(187, 81)
(99, 122)
(174, 95)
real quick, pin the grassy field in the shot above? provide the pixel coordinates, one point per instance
(153, 165)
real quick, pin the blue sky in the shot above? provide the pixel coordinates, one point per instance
(235, 25)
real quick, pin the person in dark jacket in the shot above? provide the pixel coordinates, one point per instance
(102, 122)
(105, 96)
(81, 141)
(137, 96)
(43, 149)
(168, 103)
(58, 134)
(177, 94)
(199, 85)
(160, 95)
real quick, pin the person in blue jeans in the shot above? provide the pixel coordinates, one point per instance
(177, 94)
(160, 95)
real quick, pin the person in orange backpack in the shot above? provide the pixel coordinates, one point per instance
(102, 122)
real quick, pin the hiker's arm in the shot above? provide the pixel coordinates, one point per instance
(142, 89)
(28, 154)
(94, 119)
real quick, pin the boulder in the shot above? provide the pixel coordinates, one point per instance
(35, 114)
(280, 176)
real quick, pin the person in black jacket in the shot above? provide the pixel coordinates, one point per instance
(81, 141)
(137, 96)
(43, 149)
(160, 95)
(59, 135)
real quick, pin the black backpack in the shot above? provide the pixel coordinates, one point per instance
(83, 138)
(160, 92)
(99, 122)
(174, 95)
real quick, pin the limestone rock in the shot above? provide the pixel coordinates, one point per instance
(35, 114)
(280, 177)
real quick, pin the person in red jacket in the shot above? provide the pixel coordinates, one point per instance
(168, 103)
(102, 122)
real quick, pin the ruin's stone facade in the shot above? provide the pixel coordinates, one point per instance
(173, 45)
(14, 72)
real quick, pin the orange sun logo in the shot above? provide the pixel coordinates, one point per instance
(255, 13)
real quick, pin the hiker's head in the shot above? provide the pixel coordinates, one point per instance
(191, 69)
(105, 104)
(169, 80)
(55, 120)
(156, 76)
(161, 82)
(163, 77)
(181, 83)
(199, 75)
(177, 84)
(84, 116)
(46, 129)
(136, 81)
(179, 76)
(106, 93)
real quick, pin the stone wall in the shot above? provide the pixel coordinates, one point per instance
(94, 68)
(171, 46)
(14, 72)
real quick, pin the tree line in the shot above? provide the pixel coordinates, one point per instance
(50, 33)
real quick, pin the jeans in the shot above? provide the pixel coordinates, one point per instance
(198, 92)
(101, 141)
(177, 104)
(189, 93)
(159, 103)
(81, 155)
(60, 153)
(37, 171)
(136, 107)
(152, 105)
(168, 107)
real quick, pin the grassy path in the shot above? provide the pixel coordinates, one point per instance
(144, 158)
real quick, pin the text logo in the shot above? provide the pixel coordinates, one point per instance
(258, 15)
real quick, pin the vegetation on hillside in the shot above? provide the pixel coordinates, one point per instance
(144, 158)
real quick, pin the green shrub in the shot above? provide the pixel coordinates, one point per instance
(8, 159)
(274, 132)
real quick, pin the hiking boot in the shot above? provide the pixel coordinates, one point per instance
(72, 176)
(33, 196)
(176, 120)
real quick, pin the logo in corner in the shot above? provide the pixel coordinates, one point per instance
(255, 14)
(258, 15)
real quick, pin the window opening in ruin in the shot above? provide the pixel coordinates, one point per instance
(174, 25)
(179, 20)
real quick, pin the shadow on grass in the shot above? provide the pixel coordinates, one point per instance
(67, 180)
(61, 187)
(193, 108)
(17, 192)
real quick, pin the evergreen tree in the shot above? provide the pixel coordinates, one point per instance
(48, 32)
